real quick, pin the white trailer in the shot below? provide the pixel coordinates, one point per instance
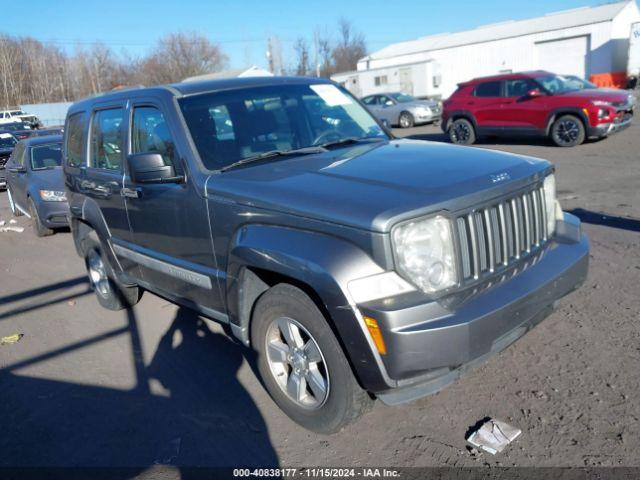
(633, 65)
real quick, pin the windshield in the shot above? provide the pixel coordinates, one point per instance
(402, 98)
(580, 83)
(233, 125)
(558, 83)
(46, 156)
(7, 140)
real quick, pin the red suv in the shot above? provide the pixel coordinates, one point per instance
(534, 103)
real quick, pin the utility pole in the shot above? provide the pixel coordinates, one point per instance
(315, 52)
(270, 55)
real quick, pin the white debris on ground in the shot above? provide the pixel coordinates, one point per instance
(11, 228)
(12, 221)
(493, 436)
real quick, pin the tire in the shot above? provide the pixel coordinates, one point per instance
(111, 294)
(12, 205)
(285, 308)
(406, 120)
(567, 131)
(462, 132)
(38, 228)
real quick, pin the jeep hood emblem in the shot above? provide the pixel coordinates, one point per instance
(500, 177)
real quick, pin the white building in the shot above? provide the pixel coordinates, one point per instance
(252, 71)
(591, 42)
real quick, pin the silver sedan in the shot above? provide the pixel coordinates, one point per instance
(403, 110)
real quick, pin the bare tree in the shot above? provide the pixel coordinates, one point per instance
(301, 48)
(181, 55)
(350, 48)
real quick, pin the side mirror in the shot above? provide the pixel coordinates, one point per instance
(535, 92)
(150, 168)
(388, 103)
(17, 169)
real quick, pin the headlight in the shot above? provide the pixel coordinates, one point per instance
(550, 201)
(601, 103)
(424, 253)
(53, 196)
(424, 111)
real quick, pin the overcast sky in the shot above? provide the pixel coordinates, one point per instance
(241, 27)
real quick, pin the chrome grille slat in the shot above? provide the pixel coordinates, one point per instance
(474, 246)
(497, 235)
(463, 236)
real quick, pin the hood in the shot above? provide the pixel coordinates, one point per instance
(608, 94)
(48, 179)
(372, 186)
(420, 103)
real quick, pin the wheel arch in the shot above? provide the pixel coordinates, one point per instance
(558, 112)
(262, 256)
(457, 114)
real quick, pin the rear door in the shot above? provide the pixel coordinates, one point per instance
(171, 238)
(102, 182)
(486, 104)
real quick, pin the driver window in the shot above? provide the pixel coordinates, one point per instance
(150, 134)
(106, 139)
(520, 87)
(384, 100)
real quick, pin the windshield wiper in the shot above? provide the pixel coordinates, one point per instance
(349, 141)
(273, 154)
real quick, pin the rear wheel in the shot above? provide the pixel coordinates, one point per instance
(461, 132)
(302, 364)
(12, 205)
(111, 294)
(567, 131)
(39, 229)
(406, 120)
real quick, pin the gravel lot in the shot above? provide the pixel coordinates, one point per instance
(89, 387)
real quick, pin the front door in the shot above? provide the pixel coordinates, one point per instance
(17, 177)
(521, 111)
(171, 240)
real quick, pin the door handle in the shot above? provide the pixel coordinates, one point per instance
(131, 192)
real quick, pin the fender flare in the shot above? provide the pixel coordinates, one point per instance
(90, 219)
(551, 117)
(454, 115)
(322, 263)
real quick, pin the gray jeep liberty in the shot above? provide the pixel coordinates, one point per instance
(356, 265)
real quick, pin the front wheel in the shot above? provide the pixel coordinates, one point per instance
(38, 228)
(567, 131)
(302, 364)
(461, 132)
(111, 294)
(406, 120)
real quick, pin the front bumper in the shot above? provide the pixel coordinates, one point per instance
(434, 116)
(604, 129)
(432, 344)
(54, 214)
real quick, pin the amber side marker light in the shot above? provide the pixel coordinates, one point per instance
(376, 334)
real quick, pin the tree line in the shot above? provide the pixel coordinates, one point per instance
(32, 71)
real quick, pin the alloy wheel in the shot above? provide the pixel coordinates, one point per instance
(296, 363)
(98, 274)
(461, 132)
(567, 131)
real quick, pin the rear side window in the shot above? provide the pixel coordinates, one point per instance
(150, 134)
(106, 139)
(73, 147)
(488, 89)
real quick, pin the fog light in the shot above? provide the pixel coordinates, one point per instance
(376, 334)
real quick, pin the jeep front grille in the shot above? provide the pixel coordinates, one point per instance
(496, 236)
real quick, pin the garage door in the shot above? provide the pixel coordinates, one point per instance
(567, 56)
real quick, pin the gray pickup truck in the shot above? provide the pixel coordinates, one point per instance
(357, 266)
